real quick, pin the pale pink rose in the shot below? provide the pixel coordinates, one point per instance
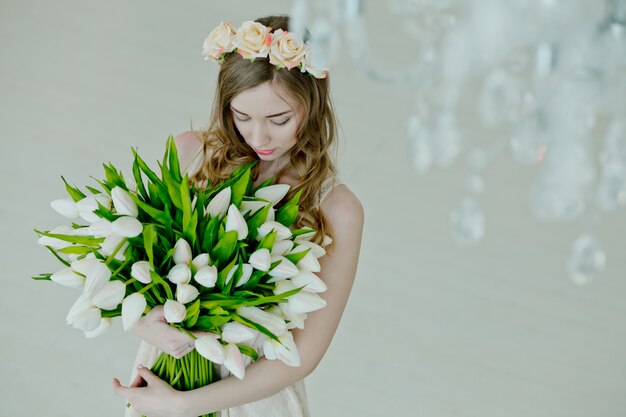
(286, 49)
(253, 40)
(306, 64)
(219, 41)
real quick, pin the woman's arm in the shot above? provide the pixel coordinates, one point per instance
(266, 377)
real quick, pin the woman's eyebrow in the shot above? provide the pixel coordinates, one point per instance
(271, 115)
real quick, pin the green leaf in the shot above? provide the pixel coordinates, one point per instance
(173, 187)
(144, 167)
(75, 249)
(154, 213)
(240, 188)
(173, 159)
(287, 214)
(268, 240)
(74, 192)
(141, 189)
(82, 240)
(149, 236)
(210, 323)
(210, 234)
(265, 183)
(225, 247)
(186, 207)
(254, 325)
(296, 257)
(193, 313)
(247, 350)
(257, 220)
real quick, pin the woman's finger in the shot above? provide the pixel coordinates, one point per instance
(138, 382)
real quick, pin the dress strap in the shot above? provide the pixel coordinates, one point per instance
(330, 183)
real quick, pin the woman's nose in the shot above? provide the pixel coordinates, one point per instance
(258, 135)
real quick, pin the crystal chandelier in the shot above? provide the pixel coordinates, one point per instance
(549, 76)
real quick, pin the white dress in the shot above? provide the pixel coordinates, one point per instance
(291, 401)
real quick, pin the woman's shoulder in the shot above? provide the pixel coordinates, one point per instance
(342, 205)
(189, 145)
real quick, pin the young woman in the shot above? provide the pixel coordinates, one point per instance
(270, 110)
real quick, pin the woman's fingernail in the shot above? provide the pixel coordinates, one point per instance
(140, 366)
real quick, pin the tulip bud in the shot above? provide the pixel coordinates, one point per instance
(273, 193)
(235, 332)
(201, 260)
(271, 215)
(272, 322)
(133, 307)
(246, 273)
(309, 262)
(182, 252)
(233, 360)
(127, 226)
(235, 221)
(66, 207)
(209, 347)
(305, 237)
(282, 231)
(81, 304)
(186, 293)
(312, 281)
(123, 203)
(86, 207)
(110, 296)
(96, 279)
(305, 302)
(295, 319)
(219, 203)
(206, 276)
(101, 228)
(179, 274)
(174, 312)
(285, 269)
(85, 265)
(110, 243)
(251, 206)
(261, 259)
(288, 353)
(88, 319)
(140, 270)
(281, 247)
(316, 249)
(68, 278)
(105, 324)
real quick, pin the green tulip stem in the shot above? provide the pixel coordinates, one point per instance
(147, 287)
(112, 256)
(130, 281)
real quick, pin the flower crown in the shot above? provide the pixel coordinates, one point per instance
(254, 40)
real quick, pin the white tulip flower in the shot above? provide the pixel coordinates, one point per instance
(66, 207)
(261, 259)
(235, 221)
(186, 293)
(123, 203)
(85, 265)
(234, 361)
(282, 231)
(68, 278)
(273, 193)
(110, 296)
(246, 273)
(206, 276)
(105, 324)
(281, 247)
(174, 312)
(96, 279)
(285, 269)
(88, 319)
(101, 228)
(209, 347)
(313, 282)
(81, 304)
(288, 353)
(219, 203)
(179, 274)
(235, 332)
(127, 226)
(251, 206)
(201, 260)
(110, 243)
(140, 270)
(272, 322)
(316, 249)
(182, 252)
(133, 307)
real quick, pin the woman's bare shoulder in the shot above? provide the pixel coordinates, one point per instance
(343, 208)
(188, 144)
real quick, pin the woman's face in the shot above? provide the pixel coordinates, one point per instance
(266, 122)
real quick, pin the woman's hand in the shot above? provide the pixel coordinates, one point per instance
(154, 329)
(150, 396)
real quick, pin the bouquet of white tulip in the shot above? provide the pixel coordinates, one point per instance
(221, 259)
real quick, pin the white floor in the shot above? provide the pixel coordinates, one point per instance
(431, 329)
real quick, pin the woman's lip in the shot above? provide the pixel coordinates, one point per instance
(265, 152)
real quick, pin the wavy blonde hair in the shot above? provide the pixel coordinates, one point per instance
(310, 156)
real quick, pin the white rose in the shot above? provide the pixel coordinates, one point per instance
(253, 40)
(307, 67)
(219, 41)
(286, 50)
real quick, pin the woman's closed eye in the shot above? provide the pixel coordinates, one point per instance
(277, 124)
